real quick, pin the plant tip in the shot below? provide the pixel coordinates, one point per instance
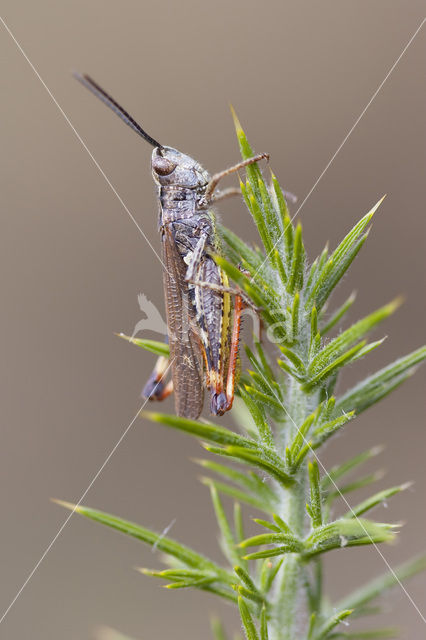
(237, 123)
(63, 503)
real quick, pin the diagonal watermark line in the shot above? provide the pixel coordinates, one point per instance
(345, 139)
(355, 517)
(86, 491)
(80, 139)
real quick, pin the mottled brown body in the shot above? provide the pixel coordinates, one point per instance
(198, 316)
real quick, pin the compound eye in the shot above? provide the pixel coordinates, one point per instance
(163, 166)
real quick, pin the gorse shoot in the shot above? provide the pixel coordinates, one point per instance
(287, 409)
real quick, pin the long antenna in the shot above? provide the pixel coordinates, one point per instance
(112, 104)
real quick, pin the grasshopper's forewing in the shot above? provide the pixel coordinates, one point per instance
(186, 356)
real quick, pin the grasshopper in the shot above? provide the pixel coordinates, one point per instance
(203, 311)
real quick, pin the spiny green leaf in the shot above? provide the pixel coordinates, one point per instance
(268, 553)
(177, 574)
(263, 385)
(331, 624)
(292, 372)
(263, 624)
(194, 584)
(312, 623)
(298, 262)
(327, 408)
(241, 248)
(266, 460)
(270, 213)
(247, 620)
(267, 525)
(260, 297)
(269, 573)
(340, 260)
(359, 483)
(291, 542)
(268, 399)
(294, 359)
(228, 541)
(347, 533)
(264, 298)
(263, 360)
(258, 415)
(325, 431)
(236, 494)
(338, 314)
(281, 523)
(314, 327)
(337, 363)
(367, 349)
(159, 348)
(378, 385)
(316, 271)
(238, 523)
(204, 430)
(242, 416)
(245, 578)
(248, 594)
(286, 223)
(314, 481)
(185, 578)
(300, 438)
(248, 481)
(342, 469)
(373, 501)
(294, 318)
(256, 209)
(301, 455)
(245, 148)
(161, 542)
(219, 590)
(277, 260)
(350, 336)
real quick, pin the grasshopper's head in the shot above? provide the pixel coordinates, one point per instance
(173, 168)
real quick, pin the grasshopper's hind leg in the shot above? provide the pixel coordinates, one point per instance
(222, 402)
(156, 388)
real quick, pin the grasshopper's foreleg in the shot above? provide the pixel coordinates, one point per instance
(155, 388)
(215, 179)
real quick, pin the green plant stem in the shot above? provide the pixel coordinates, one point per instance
(289, 599)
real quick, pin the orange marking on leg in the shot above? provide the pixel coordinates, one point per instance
(233, 354)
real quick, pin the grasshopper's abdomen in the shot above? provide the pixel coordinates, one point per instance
(195, 238)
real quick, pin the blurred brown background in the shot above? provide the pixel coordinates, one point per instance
(72, 264)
